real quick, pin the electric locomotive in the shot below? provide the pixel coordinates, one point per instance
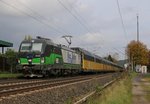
(41, 57)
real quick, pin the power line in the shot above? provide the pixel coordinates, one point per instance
(29, 15)
(78, 17)
(123, 26)
(84, 20)
(74, 16)
(100, 32)
(119, 51)
(137, 28)
(75, 11)
(36, 13)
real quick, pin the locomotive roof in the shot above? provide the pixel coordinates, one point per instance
(48, 41)
(67, 48)
(83, 51)
(87, 53)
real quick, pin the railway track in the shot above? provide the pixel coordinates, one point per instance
(14, 88)
(11, 83)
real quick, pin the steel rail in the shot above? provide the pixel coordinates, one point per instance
(28, 88)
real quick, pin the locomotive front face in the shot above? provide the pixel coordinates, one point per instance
(30, 56)
(30, 53)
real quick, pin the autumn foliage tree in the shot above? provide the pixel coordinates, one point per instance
(137, 52)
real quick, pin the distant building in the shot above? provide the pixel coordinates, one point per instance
(3, 58)
(5, 44)
(141, 69)
(144, 69)
(138, 68)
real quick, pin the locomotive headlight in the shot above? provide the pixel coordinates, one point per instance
(29, 60)
(42, 60)
(18, 61)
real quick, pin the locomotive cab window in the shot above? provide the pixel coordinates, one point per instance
(25, 47)
(37, 47)
(34, 47)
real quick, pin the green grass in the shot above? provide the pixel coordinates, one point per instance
(69, 101)
(146, 87)
(133, 74)
(147, 76)
(119, 93)
(9, 75)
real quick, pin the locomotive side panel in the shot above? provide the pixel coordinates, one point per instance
(71, 59)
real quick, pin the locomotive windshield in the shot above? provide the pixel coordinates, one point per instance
(25, 47)
(31, 47)
(36, 47)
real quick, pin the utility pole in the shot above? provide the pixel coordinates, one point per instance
(137, 63)
(137, 28)
(3, 57)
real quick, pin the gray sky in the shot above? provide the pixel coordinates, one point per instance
(94, 24)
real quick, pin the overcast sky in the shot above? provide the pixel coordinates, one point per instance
(94, 24)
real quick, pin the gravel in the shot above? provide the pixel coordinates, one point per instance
(61, 95)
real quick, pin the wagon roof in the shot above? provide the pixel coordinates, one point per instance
(39, 40)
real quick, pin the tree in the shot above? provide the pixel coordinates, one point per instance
(11, 58)
(2, 61)
(1, 55)
(148, 61)
(137, 52)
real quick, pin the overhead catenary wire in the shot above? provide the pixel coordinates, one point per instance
(75, 17)
(122, 22)
(119, 51)
(40, 16)
(30, 9)
(78, 17)
(76, 12)
(31, 16)
(125, 33)
(45, 23)
(82, 18)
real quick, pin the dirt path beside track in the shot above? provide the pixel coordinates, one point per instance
(141, 89)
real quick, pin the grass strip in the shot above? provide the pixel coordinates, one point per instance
(10, 75)
(119, 93)
(146, 86)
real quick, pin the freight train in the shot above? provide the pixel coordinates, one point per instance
(41, 57)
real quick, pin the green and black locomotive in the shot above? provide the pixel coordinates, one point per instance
(41, 57)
